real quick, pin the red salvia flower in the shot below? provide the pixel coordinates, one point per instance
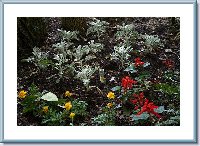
(135, 95)
(138, 98)
(149, 107)
(134, 101)
(141, 95)
(127, 82)
(168, 63)
(136, 107)
(138, 62)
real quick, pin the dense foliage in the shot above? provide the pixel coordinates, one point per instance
(100, 72)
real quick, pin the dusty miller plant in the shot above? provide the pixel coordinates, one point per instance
(95, 47)
(68, 35)
(85, 74)
(107, 118)
(100, 120)
(151, 41)
(121, 53)
(39, 58)
(63, 66)
(86, 52)
(63, 46)
(126, 33)
(97, 26)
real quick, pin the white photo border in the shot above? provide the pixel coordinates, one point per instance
(10, 16)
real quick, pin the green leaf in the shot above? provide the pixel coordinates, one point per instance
(33, 90)
(160, 109)
(45, 62)
(126, 111)
(62, 101)
(166, 88)
(28, 109)
(116, 88)
(144, 75)
(146, 64)
(131, 69)
(143, 116)
(49, 97)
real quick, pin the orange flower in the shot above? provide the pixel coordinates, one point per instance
(22, 94)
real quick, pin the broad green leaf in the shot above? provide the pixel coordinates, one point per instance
(116, 88)
(144, 75)
(143, 116)
(49, 97)
(131, 69)
(160, 109)
(62, 101)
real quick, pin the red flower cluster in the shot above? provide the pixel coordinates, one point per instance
(138, 101)
(147, 106)
(168, 63)
(127, 82)
(138, 62)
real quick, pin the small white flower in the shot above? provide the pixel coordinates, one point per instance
(112, 79)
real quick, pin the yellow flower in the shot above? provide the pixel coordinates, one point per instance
(68, 105)
(68, 94)
(72, 115)
(45, 109)
(22, 94)
(109, 105)
(111, 95)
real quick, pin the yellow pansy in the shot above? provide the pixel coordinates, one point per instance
(45, 109)
(111, 95)
(68, 94)
(72, 115)
(22, 94)
(68, 105)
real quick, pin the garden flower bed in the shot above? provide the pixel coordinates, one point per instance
(101, 72)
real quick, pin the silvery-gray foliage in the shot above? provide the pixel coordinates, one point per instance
(39, 58)
(121, 53)
(85, 74)
(97, 26)
(68, 35)
(126, 33)
(151, 41)
(100, 119)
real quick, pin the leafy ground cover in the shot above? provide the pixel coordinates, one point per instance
(103, 72)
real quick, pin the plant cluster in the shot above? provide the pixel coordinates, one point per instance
(132, 97)
(52, 111)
